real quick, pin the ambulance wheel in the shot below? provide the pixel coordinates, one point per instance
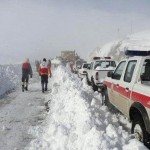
(139, 130)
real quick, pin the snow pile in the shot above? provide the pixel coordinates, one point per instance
(9, 77)
(138, 41)
(77, 121)
(110, 49)
(56, 61)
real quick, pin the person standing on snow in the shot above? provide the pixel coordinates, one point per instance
(26, 71)
(44, 71)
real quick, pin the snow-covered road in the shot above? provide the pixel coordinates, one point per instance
(75, 121)
(18, 112)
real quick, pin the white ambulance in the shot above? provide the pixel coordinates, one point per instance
(98, 71)
(128, 89)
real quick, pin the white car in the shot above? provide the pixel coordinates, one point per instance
(82, 72)
(98, 71)
(77, 65)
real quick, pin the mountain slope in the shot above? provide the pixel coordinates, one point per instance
(138, 41)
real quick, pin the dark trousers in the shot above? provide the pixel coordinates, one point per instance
(25, 79)
(44, 82)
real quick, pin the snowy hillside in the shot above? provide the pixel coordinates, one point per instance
(10, 76)
(138, 41)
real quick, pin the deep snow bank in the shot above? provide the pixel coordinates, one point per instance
(77, 121)
(9, 77)
(138, 41)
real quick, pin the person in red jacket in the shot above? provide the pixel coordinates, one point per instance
(44, 71)
(26, 71)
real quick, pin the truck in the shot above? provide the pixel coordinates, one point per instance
(98, 71)
(127, 88)
(77, 65)
(82, 72)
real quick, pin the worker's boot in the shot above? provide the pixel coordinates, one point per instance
(42, 87)
(26, 86)
(45, 86)
(22, 86)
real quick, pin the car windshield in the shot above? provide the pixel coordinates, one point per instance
(104, 64)
(79, 63)
(85, 65)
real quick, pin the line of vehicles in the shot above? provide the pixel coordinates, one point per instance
(96, 71)
(125, 87)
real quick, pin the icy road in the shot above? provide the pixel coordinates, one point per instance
(75, 119)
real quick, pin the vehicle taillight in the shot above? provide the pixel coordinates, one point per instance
(96, 75)
(96, 58)
(107, 57)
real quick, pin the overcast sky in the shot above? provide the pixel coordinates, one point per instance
(42, 28)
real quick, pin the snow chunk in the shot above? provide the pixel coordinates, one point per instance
(134, 145)
(111, 131)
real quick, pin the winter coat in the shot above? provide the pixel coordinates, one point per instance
(26, 69)
(45, 69)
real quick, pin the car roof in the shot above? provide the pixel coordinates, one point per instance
(104, 60)
(137, 52)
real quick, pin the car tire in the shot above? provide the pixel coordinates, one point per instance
(139, 130)
(88, 82)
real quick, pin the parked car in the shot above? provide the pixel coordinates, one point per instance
(77, 65)
(128, 89)
(98, 71)
(82, 72)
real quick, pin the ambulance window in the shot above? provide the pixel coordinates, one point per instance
(145, 72)
(89, 66)
(85, 65)
(97, 63)
(129, 71)
(119, 70)
(104, 64)
(113, 64)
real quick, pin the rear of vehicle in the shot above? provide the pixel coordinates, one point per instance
(82, 72)
(101, 69)
(78, 65)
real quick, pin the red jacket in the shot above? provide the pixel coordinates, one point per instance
(26, 69)
(44, 69)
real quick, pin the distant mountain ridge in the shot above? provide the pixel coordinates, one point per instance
(116, 49)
